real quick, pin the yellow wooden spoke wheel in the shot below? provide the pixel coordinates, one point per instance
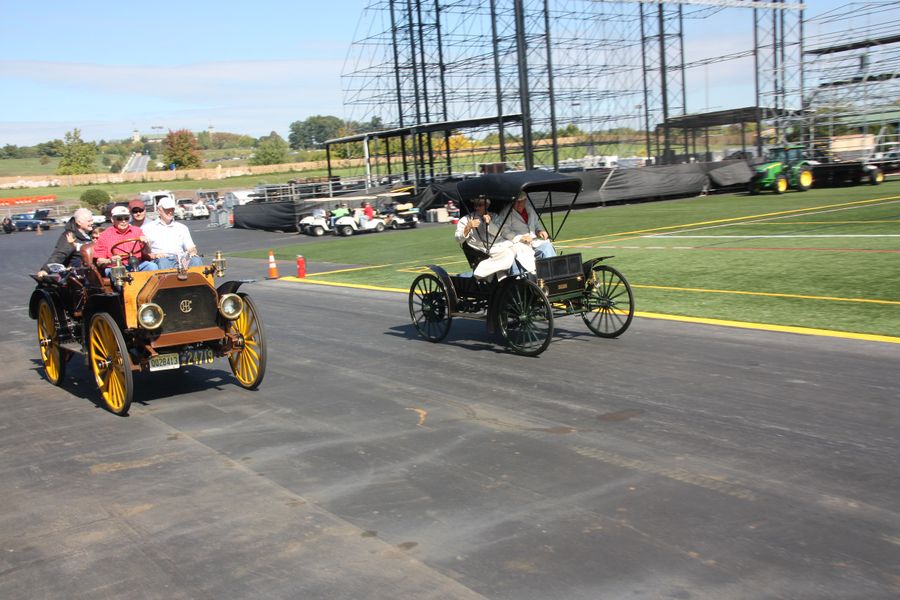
(53, 357)
(248, 360)
(110, 363)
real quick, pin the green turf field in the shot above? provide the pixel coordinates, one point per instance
(827, 259)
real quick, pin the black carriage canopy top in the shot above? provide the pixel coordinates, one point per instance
(539, 187)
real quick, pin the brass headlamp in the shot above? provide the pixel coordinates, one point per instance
(118, 274)
(219, 264)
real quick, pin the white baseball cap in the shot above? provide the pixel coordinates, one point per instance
(166, 202)
(119, 211)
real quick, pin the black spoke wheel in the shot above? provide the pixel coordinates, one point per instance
(429, 307)
(248, 363)
(53, 357)
(608, 302)
(525, 318)
(110, 364)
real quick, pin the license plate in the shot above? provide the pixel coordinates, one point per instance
(175, 360)
(163, 362)
(196, 356)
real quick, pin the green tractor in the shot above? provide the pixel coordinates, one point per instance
(784, 168)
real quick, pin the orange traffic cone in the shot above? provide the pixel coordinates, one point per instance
(273, 268)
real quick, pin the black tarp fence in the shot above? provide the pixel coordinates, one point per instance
(604, 186)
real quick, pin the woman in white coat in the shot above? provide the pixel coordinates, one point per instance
(479, 231)
(521, 224)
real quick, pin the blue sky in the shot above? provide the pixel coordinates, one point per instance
(109, 68)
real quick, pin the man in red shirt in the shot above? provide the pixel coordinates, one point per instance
(123, 230)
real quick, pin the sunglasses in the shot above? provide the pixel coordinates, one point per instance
(135, 211)
(121, 218)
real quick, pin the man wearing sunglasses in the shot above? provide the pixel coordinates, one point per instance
(122, 229)
(138, 212)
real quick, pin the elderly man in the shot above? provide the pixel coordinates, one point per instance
(77, 232)
(110, 242)
(170, 241)
(479, 231)
(522, 225)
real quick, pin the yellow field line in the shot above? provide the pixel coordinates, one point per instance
(729, 220)
(767, 327)
(768, 294)
(650, 315)
(359, 286)
(351, 269)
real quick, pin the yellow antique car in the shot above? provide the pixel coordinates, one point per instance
(129, 322)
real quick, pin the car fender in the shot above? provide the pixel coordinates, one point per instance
(42, 293)
(346, 221)
(229, 287)
(442, 274)
(108, 303)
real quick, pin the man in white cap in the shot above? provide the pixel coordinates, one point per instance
(110, 242)
(170, 241)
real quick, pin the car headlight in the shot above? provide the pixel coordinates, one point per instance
(231, 306)
(150, 316)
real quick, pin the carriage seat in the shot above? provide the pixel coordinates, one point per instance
(474, 255)
(94, 276)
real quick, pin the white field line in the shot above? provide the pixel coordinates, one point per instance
(763, 220)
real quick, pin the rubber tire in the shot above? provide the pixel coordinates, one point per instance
(804, 180)
(107, 345)
(780, 185)
(429, 307)
(876, 176)
(345, 230)
(53, 358)
(379, 227)
(603, 292)
(525, 298)
(249, 364)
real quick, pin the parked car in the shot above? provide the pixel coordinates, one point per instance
(30, 222)
(193, 210)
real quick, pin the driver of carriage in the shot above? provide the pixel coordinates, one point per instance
(170, 241)
(521, 224)
(478, 230)
(123, 230)
(77, 231)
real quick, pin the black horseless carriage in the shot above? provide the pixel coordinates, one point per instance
(152, 321)
(522, 307)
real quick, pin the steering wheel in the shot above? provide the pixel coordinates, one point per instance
(128, 254)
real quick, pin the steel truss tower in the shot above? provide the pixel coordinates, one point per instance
(589, 77)
(852, 76)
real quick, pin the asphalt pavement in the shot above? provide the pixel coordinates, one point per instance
(679, 461)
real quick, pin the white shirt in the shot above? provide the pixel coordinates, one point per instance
(172, 238)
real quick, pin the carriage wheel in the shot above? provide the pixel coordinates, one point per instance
(608, 301)
(110, 363)
(525, 318)
(52, 355)
(429, 307)
(249, 362)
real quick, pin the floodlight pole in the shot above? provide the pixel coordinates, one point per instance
(522, 55)
(495, 43)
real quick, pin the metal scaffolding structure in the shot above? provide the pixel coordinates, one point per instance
(588, 77)
(852, 72)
